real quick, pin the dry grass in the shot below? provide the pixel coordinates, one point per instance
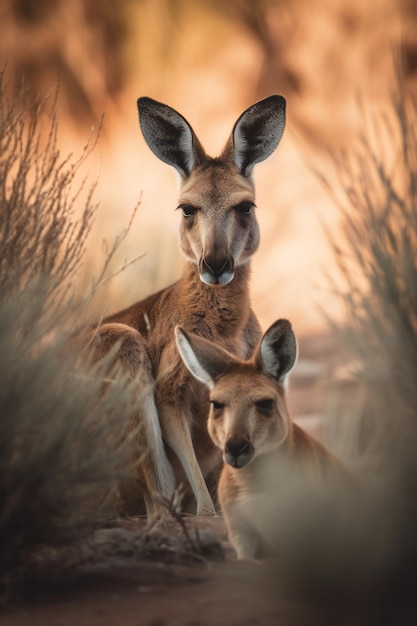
(62, 448)
(41, 237)
(378, 262)
(350, 556)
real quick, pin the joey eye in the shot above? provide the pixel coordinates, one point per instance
(188, 210)
(265, 406)
(217, 406)
(244, 208)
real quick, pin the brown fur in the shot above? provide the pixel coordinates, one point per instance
(217, 241)
(250, 423)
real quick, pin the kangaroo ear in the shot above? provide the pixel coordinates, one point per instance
(257, 133)
(206, 361)
(277, 352)
(169, 136)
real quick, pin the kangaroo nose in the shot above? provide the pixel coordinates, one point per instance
(216, 270)
(238, 451)
(237, 446)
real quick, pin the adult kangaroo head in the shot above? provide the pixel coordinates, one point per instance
(219, 231)
(248, 415)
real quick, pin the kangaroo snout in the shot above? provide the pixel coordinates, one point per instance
(216, 270)
(238, 451)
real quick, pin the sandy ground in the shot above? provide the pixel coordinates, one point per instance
(154, 594)
(157, 593)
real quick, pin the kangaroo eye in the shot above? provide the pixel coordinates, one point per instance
(188, 210)
(265, 406)
(244, 208)
(217, 406)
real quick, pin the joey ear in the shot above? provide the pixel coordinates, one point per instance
(277, 351)
(257, 133)
(205, 360)
(169, 136)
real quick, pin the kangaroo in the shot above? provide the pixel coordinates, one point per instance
(219, 233)
(250, 423)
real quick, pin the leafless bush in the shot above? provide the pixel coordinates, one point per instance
(62, 443)
(61, 450)
(349, 556)
(378, 262)
(42, 233)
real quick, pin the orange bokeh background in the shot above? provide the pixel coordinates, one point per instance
(210, 60)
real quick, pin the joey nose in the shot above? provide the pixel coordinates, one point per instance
(238, 451)
(216, 269)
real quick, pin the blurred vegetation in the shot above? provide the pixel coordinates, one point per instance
(41, 237)
(100, 48)
(379, 268)
(81, 42)
(62, 443)
(350, 556)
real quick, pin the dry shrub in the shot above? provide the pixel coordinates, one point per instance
(349, 556)
(62, 447)
(42, 232)
(61, 450)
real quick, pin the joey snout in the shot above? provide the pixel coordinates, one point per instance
(238, 451)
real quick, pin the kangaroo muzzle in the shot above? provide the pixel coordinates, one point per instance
(238, 451)
(216, 270)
